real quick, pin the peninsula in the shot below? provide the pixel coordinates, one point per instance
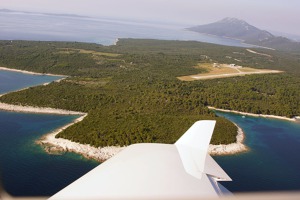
(52, 144)
(129, 92)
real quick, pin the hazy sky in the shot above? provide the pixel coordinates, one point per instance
(278, 15)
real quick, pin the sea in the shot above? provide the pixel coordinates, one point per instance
(25, 168)
(271, 164)
(273, 161)
(16, 25)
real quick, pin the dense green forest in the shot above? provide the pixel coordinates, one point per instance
(131, 93)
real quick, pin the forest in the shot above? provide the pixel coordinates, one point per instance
(131, 93)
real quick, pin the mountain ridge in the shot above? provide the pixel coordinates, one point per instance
(240, 29)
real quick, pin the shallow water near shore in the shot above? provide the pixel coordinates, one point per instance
(25, 168)
(272, 164)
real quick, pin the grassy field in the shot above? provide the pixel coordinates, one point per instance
(215, 70)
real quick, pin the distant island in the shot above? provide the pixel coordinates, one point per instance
(240, 29)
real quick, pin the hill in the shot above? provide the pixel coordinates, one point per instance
(240, 29)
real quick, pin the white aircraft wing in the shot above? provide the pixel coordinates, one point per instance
(182, 170)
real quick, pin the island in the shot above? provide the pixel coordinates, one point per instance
(129, 92)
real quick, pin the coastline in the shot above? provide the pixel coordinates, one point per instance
(29, 72)
(240, 40)
(230, 149)
(56, 145)
(255, 115)
(31, 109)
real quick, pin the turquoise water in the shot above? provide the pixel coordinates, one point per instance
(25, 168)
(272, 164)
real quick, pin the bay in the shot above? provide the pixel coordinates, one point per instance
(12, 81)
(25, 168)
(272, 164)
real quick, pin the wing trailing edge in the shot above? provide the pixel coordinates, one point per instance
(193, 146)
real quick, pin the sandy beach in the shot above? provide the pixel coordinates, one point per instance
(255, 115)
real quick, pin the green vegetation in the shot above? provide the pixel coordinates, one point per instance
(258, 94)
(131, 93)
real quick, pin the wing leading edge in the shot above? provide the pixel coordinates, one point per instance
(182, 170)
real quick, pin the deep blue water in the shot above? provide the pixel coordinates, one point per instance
(25, 26)
(273, 162)
(25, 168)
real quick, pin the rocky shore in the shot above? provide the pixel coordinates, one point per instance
(229, 149)
(55, 145)
(31, 109)
(256, 115)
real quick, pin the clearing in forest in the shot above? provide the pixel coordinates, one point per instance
(216, 70)
(71, 50)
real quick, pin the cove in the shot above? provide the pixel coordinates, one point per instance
(272, 164)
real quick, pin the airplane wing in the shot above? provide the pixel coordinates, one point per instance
(182, 170)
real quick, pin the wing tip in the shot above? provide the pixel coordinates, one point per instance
(198, 135)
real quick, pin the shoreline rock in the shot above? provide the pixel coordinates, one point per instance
(255, 115)
(54, 145)
(58, 145)
(229, 149)
(31, 109)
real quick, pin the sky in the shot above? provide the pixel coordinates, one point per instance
(276, 15)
